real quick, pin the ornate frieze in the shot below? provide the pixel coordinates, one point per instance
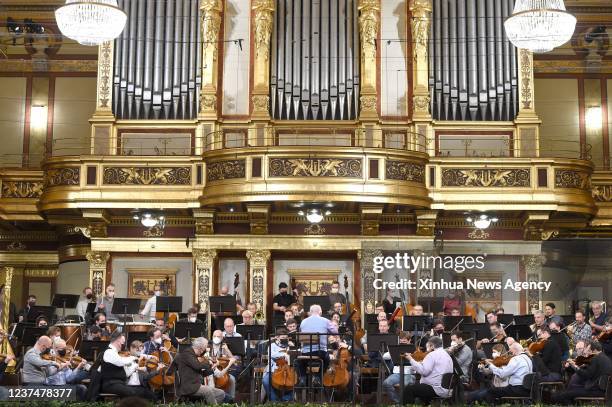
(21, 189)
(62, 176)
(533, 269)
(404, 171)
(204, 262)
(228, 169)
(97, 271)
(366, 261)
(368, 103)
(147, 175)
(258, 263)
(210, 14)
(369, 20)
(263, 15)
(566, 178)
(315, 167)
(526, 75)
(105, 77)
(602, 193)
(486, 177)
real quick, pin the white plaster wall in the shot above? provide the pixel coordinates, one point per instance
(71, 279)
(227, 271)
(184, 280)
(236, 61)
(393, 64)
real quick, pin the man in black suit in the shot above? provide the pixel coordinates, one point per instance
(548, 361)
(191, 371)
(587, 384)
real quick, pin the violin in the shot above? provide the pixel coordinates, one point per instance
(337, 375)
(605, 335)
(583, 360)
(284, 377)
(537, 346)
(419, 355)
(499, 361)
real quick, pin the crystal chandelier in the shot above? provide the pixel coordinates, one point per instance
(91, 22)
(539, 25)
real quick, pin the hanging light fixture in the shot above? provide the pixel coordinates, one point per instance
(483, 221)
(539, 25)
(91, 22)
(150, 219)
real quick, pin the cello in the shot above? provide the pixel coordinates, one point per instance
(284, 377)
(337, 375)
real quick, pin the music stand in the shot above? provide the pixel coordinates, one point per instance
(91, 349)
(451, 322)
(416, 323)
(446, 339)
(235, 345)
(20, 327)
(38, 310)
(376, 341)
(372, 327)
(251, 332)
(371, 318)
(481, 330)
(65, 301)
(432, 305)
(524, 319)
(31, 335)
(396, 350)
(222, 303)
(519, 332)
(567, 319)
(124, 307)
(488, 348)
(188, 330)
(168, 305)
(322, 300)
(505, 319)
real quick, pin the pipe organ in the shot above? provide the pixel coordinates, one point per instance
(157, 69)
(315, 60)
(473, 73)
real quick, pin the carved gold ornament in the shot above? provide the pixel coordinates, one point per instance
(478, 234)
(404, 171)
(62, 176)
(21, 189)
(602, 193)
(263, 14)
(147, 175)
(210, 13)
(565, 178)
(368, 103)
(420, 26)
(208, 102)
(315, 167)
(228, 169)
(261, 103)
(314, 229)
(155, 231)
(515, 177)
(526, 73)
(105, 75)
(369, 20)
(97, 259)
(421, 103)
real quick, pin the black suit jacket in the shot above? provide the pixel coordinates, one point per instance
(600, 365)
(191, 372)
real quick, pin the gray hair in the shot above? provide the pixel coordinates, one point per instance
(538, 312)
(200, 343)
(435, 341)
(516, 347)
(315, 309)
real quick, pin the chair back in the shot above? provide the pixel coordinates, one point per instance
(606, 380)
(307, 340)
(530, 382)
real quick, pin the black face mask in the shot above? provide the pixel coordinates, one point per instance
(284, 342)
(334, 345)
(31, 303)
(61, 352)
(102, 325)
(89, 296)
(439, 331)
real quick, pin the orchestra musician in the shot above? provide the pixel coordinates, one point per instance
(191, 370)
(540, 322)
(282, 300)
(580, 330)
(605, 338)
(394, 378)
(114, 378)
(34, 369)
(167, 334)
(23, 313)
(515, 371)
(559, 337)
(150, 308)
(292, 326)
(580, 351)
(335, 295)
(67, 375)
(155, 343)
(437, 362)
(417, 310)
(102, 330)
(548, 360)
(551, 316)
(315, 323)
(192, 316)
(42, 322)
(455, 312)
(219, 349)
(491, 317)
(599, 318)
(279, 348)
(81, 307)
(462, 354)
(54, 333)
(105, 304)
(4, 393)
(288, 315)
(452, 300)
(375, 356)
(389, 302)
(137, 375)
(587, 382)
(298, 311)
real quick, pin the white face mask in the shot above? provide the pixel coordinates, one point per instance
(158, 341)
(192, 319)
(157, 293)
(334, 291)
(453, 343)
(495, 354)
(216, 340)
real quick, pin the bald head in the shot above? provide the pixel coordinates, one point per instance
(516, 348)
(315, 309)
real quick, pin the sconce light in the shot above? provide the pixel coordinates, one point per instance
(38, 117)
(592, 117)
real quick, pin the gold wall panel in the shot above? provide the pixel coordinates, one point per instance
(12, 117)
(147, 176)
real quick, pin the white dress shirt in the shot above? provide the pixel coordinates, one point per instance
(518, 367)
(150, 308)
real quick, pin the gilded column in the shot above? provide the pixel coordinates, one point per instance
(204, 263)
(527, 122)
(210, 15)
(97, 271)
(6, 299)
(258, 270)
(533, 270)
(369, 26)
(263, 19)
(368, 294)
(103, 119)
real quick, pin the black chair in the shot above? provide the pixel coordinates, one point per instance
(605, 382)
(450, 381)
(177, 385)
(530, 381)
(554, 385)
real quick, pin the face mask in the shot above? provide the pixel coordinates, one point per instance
(158, 341)
(46, 351)
(102, 324)
(495, 354)
(89, 296)
(157, 293)
(31, 303)
(137, 353)
(334, 291)
(192, 319)
(217, 340)
(453, 343)
(439, 331)
(284, 342)
(61, 352)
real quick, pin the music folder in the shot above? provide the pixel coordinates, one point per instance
(38, 310)
(481, 330)
(188, 329)
(505, 319)
(126, 306)
(31, 335)
(524, 319)
(416, 323)
(235, 345)
(375, 341)
(91, 349)
(252, 332)
(322, 300)
(222, 303)
(169, 304)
